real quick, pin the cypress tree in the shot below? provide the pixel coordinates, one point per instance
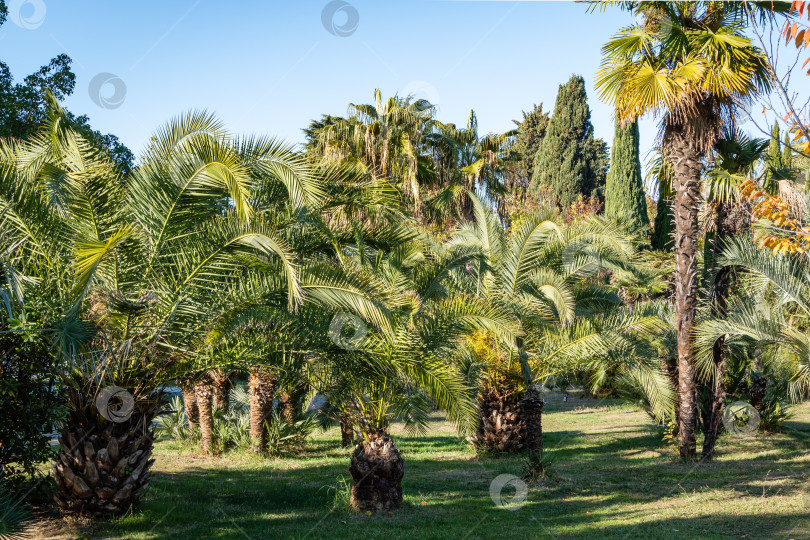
(773, 159)
(664, 224)
(566, 165)
(624, 193)
(787, 153)
(530, 133)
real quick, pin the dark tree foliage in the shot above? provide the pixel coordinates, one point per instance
(29, 403)
(663, 226)
(598, 153)
(530, 133)
(568, 162)
(787, 153)
(120, 155)
(624, 193)
(22, 107)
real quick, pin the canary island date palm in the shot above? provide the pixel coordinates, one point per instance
(137, 263)
(690, 64)
(547, 276)
(402, 373)
(405, 359)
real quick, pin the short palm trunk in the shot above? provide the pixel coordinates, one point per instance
(103, 466)
(377, 469)
(531, 407)
(501, 425)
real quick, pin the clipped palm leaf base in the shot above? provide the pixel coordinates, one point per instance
(501, 426)
(377, 469)
(102, 466)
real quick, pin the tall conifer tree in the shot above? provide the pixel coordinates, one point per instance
(624, 192)
(566, 165)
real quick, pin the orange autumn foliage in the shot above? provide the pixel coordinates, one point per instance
(787, 234)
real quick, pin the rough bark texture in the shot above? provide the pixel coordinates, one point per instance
(713, 420)
(346, 432)
(204, 393)
(531, 407)
(189, 403)
(687, 169)
(261, 390)
(221, 383)
(377, 469)
(759, 386)
(501, 426)
(102, 467)
(286, 408)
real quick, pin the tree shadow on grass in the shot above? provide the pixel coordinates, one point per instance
(598, 489)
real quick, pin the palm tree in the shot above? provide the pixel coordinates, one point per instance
(771, 315)
(385, 138)
(137, 267)
(546, 275)
(400, 374)
(465, 162)
(736, 157)
(691, 63)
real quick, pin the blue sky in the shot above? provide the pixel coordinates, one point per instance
(269, 67)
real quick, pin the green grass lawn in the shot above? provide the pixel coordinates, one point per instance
(612, 477)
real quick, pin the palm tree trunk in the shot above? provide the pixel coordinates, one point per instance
(501, 426)
(730, 220)
(103, 467)
(221, 381)
(346, 432)
(687, 169)
(531, 408)
(204, 392)
(261, 390)
(377, 469)
(286, 408)
(189, 402)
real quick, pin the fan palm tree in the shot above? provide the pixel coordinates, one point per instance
(690, 63)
